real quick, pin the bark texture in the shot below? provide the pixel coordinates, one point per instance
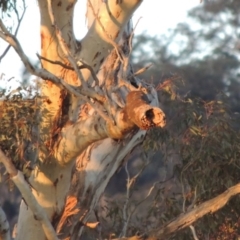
(92, 109)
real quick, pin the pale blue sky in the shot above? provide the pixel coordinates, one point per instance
(157, 16)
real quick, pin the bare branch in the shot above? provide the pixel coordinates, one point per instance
(46, 75)
(185, 220)
(19, 180)
(4, 226)
(142, 70)
(16, 31)
(127, 58)
(43, 73)
(193, 232)
(55, 62)
(126, 217)
(84, 65)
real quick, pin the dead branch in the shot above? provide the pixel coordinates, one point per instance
(84, 65)
(190, 217)
(142, 70)
(25, 190)
(187, 219)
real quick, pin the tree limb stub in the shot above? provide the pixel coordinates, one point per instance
(141, 113)
(137, 113)
(190, 217)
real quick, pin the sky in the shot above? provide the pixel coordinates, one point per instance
(157, 17)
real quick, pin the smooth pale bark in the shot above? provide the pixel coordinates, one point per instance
(98, 163)
(50, 181)
(104, 120)
(52, 176)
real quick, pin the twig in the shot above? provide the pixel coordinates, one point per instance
(126, 204)
(16, 31)
(130, 182)
(190, 207)
(54, 62)
(126, 59)
(19, 180)
(84, 65)
(142, 70)
(4, 226)
(192, 228)
(193, 232)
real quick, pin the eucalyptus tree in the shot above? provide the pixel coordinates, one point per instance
(93, 110)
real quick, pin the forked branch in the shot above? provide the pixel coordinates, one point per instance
(17, 28)
(42, 73)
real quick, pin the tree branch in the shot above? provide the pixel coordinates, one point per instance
(16, 31)
(137, 113)
(88, 91)
(25, 190)
(46, 75)
(141, 113)
(42, 73)
(187, 219)
(190, 217)
(84, 65)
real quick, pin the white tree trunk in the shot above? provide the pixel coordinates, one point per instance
(93, 120)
